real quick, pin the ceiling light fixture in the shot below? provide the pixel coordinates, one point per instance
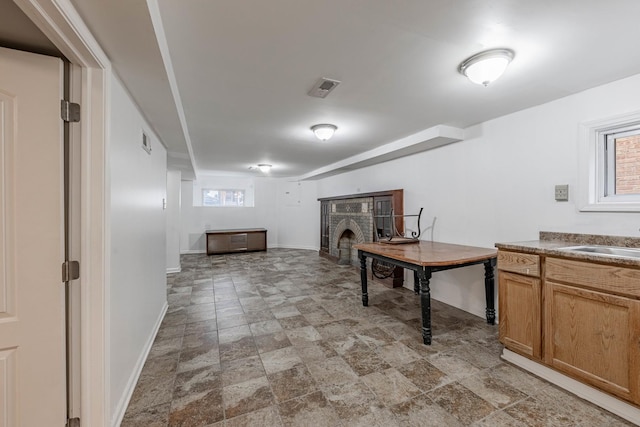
(264, 168)
(485, 67)
(324, 132)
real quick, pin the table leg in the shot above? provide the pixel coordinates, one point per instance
(363, 278)
(424, 275)
(489, 289)
(416, 283)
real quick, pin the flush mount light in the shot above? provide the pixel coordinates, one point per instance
(264, 168)
(324, 132)
(485, 67)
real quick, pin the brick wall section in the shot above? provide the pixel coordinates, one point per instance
(628, 165)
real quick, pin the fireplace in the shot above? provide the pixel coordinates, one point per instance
(349, 220)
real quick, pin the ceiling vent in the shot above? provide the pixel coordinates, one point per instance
(322, 87)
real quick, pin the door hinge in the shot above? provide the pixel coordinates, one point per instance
(70, 271)
(69, 111)
(73, 422)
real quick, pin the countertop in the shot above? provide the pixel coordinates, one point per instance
(550, 242)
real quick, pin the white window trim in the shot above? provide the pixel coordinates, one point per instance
(591, 166)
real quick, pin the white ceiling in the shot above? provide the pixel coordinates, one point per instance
(241, 69)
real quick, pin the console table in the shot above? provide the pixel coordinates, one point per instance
(425, 258)
(236, 240)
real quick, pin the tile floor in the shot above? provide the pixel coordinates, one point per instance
(280, 338)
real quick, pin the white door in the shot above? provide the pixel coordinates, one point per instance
(32, 313)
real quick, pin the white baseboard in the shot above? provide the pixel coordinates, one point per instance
(193, 251)
(202, 251)
(120, 410)
(174, 270)
(595, 396)
(309, 248)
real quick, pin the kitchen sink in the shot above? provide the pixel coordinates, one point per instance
(611, 251)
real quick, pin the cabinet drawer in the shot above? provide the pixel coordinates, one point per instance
(609, 278)
(515, 262)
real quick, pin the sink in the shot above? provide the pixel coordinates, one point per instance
(612, 251)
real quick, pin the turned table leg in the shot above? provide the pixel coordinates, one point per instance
(424, 276)
(363, 278)
(489, 289)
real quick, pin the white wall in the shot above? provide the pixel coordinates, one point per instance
(290, 213)
(173, 221)
(498, 184)
(195, 220)
(298, 215)
(138, 255)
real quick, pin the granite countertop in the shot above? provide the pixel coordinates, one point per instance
(550, 242)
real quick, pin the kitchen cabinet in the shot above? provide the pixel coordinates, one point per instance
(592, 324)
(520, 300)
(577, 317)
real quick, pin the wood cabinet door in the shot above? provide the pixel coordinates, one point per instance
(519, 302)
(217, 243)
(382, 207)
(256, 241)
(324, 225)
(594, 337)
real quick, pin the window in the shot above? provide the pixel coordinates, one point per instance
(233, 198)
(610, 164)
(623, 163)
(215, 191)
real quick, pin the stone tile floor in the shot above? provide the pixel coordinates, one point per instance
(280, 338)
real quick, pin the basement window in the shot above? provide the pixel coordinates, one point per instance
(211, 191)
(610, 163)
(222, 198)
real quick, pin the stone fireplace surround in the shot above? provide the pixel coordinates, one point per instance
(349, 215)
(350, 221)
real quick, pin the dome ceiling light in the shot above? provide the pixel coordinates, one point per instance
(485, 67)
(264, 167)
(324, 131)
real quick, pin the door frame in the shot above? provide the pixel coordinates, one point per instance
(90, 243)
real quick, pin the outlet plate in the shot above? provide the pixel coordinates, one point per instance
(562, 193)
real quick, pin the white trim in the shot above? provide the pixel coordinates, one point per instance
(61, 23)
(121, 408)
(309, 248)
(174, 270)
(603, 400)
(193, 251)
(203, 251)
(591, 165)
(158, 28)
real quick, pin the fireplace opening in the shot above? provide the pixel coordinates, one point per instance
(347, 239)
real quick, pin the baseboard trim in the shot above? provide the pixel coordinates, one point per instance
(174, 270)
(202, 251)
(588, 393)
(310, 248)
(133, 380)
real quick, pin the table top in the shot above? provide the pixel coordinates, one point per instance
(429, 254)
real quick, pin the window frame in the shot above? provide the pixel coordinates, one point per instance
(595, 175)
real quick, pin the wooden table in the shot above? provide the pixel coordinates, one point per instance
(424, 258)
